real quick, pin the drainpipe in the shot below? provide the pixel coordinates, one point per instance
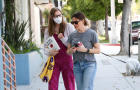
(1, 60)
(139, 48)
(130, 36)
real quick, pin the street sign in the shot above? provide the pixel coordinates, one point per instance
(41, 1)
(120, 1)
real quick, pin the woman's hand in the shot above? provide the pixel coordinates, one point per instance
(60, 35)
(53, 52)
(82, 48)
(71, 50)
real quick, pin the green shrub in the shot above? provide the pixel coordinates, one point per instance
(14, 31)
(14, 37)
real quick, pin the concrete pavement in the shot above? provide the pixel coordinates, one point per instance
(109, 73)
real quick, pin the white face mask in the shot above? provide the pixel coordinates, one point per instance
(58, 20)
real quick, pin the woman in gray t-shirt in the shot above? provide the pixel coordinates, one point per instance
(83, 44)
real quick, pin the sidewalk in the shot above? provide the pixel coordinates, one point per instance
(108, 75)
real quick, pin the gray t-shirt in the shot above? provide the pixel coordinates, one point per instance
(88, 38)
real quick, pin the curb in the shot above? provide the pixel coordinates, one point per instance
(111, 44)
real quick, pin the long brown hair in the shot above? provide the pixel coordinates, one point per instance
(51, 26)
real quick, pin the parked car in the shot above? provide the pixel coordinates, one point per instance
(135, 31)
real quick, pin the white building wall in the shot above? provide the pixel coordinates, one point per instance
(22, 14)
(37, 26)
(25, 12)
(35, 23)
(22, 9)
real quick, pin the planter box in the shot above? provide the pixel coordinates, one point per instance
(27, 66)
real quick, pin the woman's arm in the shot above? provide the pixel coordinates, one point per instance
(95, 43)
(69, 29)
(95, 49)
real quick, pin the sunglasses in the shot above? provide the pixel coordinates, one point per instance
(75, 22)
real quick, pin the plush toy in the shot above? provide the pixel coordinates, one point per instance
(47, 70)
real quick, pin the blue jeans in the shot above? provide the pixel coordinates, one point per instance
(84, 72)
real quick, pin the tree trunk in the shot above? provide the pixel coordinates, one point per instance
(93, 25)
(106, 25)
(100, 27)
(56, 3)
(125, 28)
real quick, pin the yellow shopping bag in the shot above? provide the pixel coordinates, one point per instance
(47, 70)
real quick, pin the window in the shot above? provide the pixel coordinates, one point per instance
(136, 24)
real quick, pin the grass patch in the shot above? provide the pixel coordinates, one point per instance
(103, 40)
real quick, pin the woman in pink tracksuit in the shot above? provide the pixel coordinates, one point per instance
(63, 62)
